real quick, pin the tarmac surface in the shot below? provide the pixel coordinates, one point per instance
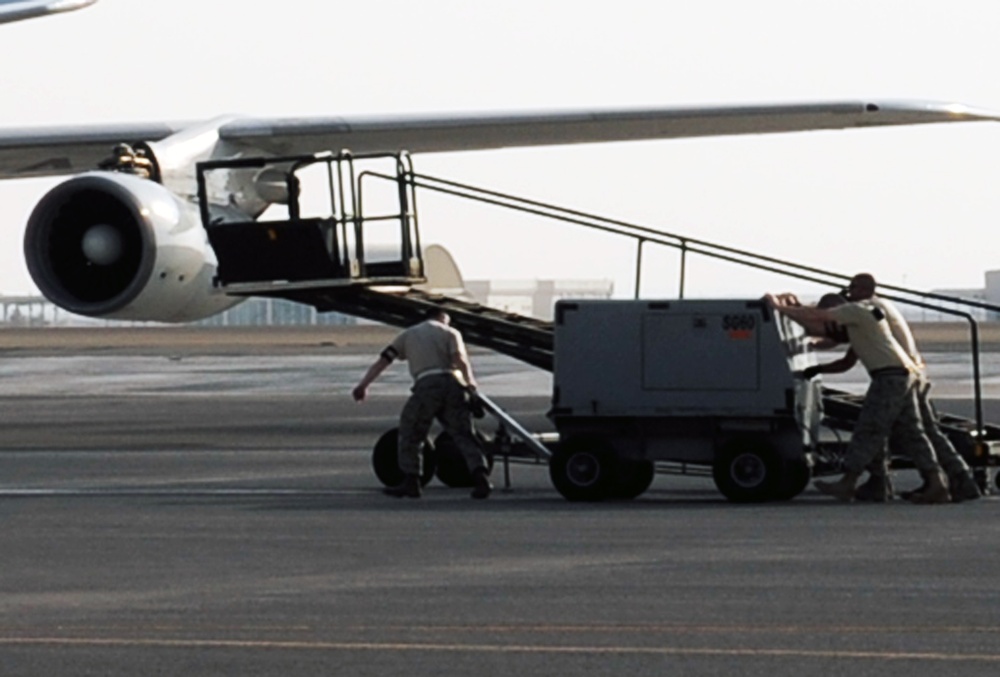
(205, 506)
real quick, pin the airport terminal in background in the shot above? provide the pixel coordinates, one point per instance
(534, 298)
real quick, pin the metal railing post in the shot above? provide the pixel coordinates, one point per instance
(684, 251)
(638, 266)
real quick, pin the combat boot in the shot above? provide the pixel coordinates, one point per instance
(936, 490)
(481, 485)
(842, 489)
(876, 489)
(963, 487)
(410, 488)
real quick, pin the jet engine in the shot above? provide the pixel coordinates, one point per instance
(114, 245)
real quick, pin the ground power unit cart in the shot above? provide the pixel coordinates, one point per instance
(707, 383)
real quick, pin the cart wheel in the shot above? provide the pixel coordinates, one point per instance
(452, 469)
(632, 478)
(385, 460)
(583, 469)
(747, 471)
(795, 477)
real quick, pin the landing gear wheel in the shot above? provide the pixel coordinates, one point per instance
(632, 478)
(747, 470)
(385, 460)
(583, 469)
(452, 468)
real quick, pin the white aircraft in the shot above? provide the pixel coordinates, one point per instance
(127, 241)
(124, 238)
(18, 10)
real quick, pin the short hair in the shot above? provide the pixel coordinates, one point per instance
(863, 283)
(431, 313)
(438, 313)
(831, 301)
(864, 279)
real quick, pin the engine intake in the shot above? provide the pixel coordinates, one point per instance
(108, 244)
(60, 246)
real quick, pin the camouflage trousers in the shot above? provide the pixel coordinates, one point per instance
(439, 396)
(890, 410)
(947, 457)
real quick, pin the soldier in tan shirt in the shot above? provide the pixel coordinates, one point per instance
(890, 405)
(961, 483)
(442, 385)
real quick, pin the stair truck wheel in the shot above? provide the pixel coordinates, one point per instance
(795, 476)
(583, 469)
(632, 478)
(747, 470)
(452, 469)
(385, 460)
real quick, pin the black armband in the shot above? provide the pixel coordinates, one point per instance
(811, 372)
(389, 354)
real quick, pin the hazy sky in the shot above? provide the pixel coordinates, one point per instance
(915, 206)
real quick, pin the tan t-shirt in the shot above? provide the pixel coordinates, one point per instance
(871, 338)
(899, 328)
(430, 346)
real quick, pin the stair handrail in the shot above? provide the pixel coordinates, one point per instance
(644, 234)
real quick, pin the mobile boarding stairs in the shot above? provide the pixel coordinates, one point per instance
(361, 255)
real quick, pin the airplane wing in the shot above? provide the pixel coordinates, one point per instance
(18, 10)
(26, 152)
(499, 130)
(52, 151)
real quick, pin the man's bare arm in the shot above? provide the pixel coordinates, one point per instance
(460, 361)
(814, 320)
(360, 391)
(840, 366)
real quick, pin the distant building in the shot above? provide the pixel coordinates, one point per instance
(267, 312)
(29, 311)
(36, 311)
(535, 298)
(990, 293)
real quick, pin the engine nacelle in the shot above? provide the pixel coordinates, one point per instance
(113, 245)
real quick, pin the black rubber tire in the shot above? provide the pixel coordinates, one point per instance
(632, 478)
(795, 476)
(385, 460)
(583, 469)
(452, 469)
(747, 470)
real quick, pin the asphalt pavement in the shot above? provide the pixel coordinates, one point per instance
(207, 515)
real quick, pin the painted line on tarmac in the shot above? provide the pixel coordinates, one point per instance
(194, 493)
(687, 629)
(123, 643)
